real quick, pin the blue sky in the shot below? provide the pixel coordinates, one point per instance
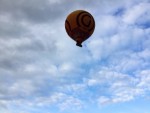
(43, 71)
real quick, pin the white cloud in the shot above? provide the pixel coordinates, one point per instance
(118, 86)
(144, 76)
(61, 100)
(22, 88)
(52, 70)
(103, 100)
(145, 54)
(134, 13)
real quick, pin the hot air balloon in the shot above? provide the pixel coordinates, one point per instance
(79, 26)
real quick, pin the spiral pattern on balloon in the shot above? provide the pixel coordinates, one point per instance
(85, 21)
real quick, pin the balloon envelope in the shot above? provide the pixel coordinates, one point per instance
(79, 26)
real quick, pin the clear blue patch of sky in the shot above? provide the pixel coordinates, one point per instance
(144, 25)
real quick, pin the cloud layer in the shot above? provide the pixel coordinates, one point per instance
(42, 68)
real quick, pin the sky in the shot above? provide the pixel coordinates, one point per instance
(43, 71)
